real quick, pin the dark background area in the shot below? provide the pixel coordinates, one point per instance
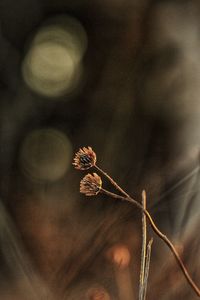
(134, 98)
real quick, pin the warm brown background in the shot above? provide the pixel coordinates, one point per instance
(138, 107)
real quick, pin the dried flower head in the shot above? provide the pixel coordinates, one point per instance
(90, 185)
(85, 158)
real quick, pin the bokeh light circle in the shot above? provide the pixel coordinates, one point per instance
(45, 155)
(52, 66)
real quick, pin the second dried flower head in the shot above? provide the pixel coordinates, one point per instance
(91, 185)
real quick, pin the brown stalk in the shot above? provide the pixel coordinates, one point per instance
(147, 265)
(112, 181)
(144, 249)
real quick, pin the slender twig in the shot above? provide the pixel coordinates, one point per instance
(147, 264)
(144, 248)
(159, 234)
(112, 181)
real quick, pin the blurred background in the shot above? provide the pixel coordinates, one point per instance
(121, 76)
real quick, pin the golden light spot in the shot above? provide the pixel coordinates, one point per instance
(52, 66)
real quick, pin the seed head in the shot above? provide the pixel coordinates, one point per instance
(91, 185)
(85, 158)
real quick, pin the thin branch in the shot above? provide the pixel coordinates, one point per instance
(147, 265)
(144, 248)
(160, 235)
(112, 181)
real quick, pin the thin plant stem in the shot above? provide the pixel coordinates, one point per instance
(112, 181)
(147, 265)
(159, 234)
(144, 248)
